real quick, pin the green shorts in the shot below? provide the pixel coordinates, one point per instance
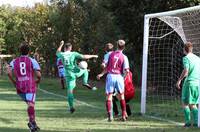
(71, 76)
(190, 92)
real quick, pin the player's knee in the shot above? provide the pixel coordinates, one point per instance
(30, 104)
(193, 106)
(109, 97)
(121, 96)
(69, 92)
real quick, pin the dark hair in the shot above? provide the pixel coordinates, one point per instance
(188, 47)
(24, 48)
(109, 47)
(67, 45)
(120, 44)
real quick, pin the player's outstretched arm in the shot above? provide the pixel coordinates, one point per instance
(89, 56)
(60, 47)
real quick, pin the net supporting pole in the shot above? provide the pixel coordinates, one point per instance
(144, 65)
(199, 110)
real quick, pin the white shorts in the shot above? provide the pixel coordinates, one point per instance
(28, 97)
(61, 72)
(114, 83)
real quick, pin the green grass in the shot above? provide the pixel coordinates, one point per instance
(52, 112)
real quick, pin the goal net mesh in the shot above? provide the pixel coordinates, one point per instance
(167, 35)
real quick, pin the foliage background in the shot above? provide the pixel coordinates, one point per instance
(87, 24)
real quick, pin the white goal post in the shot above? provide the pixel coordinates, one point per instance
(173, 28)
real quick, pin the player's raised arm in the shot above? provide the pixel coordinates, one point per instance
(60, 47)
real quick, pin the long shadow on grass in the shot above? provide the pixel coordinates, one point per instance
(81, 112)
(9, 97)
(5, 129)
(6, 121)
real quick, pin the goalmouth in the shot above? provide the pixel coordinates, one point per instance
(164, 37)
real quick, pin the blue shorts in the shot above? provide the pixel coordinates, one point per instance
(61, 72)
(28, 97)
(114, 83)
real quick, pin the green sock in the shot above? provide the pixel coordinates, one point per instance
(195, 115)
(187, 115)
(70, 97)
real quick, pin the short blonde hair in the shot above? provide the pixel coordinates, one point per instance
(188, 47)
(121, 44)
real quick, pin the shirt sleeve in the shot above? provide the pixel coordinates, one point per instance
(105, 59)
(12, 64)
(126, 63)
(57, 61)
(186, 62)
(36, 66)
(78, 55)
(59, 54)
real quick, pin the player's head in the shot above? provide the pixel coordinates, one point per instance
(24, 48)
(109, 47)
(67, 46)
(120, 44)
(188, 47)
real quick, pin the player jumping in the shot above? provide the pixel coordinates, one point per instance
(72, 71)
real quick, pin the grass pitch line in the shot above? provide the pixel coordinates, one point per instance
(165, 120)
(64, 97)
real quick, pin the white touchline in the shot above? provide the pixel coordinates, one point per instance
(64, 97)
(166, 120)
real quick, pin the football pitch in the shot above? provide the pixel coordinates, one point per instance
(52, 114)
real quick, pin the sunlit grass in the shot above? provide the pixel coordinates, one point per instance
(52, 112)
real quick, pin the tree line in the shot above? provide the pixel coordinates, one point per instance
(87, 24)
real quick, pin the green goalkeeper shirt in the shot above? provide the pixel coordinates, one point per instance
(192, 63)
(69, 59)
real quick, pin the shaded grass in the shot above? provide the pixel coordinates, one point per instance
(52, 112)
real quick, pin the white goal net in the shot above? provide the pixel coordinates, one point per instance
(164, 37)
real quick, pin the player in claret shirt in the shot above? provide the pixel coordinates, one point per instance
(61, 72)
(21, 72)
(117, 67)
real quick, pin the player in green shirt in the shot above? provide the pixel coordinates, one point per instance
(190, 89)
(72, 71)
